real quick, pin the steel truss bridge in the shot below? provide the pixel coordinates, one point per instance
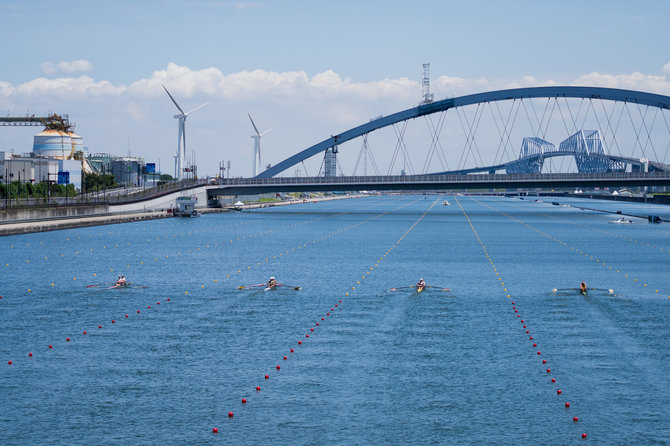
(593, 149)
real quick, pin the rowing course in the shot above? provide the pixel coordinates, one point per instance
(380, 368)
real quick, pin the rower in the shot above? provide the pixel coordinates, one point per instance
(582, 287)
(272, 282)
(421, 284)
(118, 281)
(122, 280)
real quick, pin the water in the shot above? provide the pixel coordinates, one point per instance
(383, 368)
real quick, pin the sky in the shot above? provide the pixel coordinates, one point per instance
(306, 69)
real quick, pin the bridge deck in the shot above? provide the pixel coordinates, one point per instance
(257, 185)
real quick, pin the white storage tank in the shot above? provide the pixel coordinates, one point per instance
(52, 143)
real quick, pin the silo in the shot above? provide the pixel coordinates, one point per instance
(52, 143)
(77, 142)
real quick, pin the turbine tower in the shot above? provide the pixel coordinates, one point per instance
(257, 147)
(181, 138)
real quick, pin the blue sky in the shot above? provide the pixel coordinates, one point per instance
(306, 68)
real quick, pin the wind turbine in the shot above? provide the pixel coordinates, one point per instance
(257, 146)
(181, 138)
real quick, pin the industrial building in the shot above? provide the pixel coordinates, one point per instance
(59, 156)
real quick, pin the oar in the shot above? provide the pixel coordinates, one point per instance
(290, 286)
(401, 287)
(438, 287)
(609, 290)
(241, 287)
(101, 284)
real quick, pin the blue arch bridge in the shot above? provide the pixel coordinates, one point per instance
(642, 162)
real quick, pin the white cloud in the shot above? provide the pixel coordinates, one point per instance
(634, 81)
(80, 88)
(76, 66)
(666, 68)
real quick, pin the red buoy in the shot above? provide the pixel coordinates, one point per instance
(317, 323)
(99, 326)
(548, 370)
(138, 311)
(292, 350)
(584, 436)
(230, 415)
(307, 336)
(524, 326)
(539, 353)
(126, 315)
(575, 419)
(311, 329)
(516, 311)
(327, 314)
(9, 362)
(513, 303)
(522, 321)
(258, 388)
(158, 303)
(567, 404)
(168, 299)
(299, 342)
(285, 358)
(148, 306)
(544, 361)
(340, 301)
(51, 346)
(323, 318)
(84, 332)
(531, 338)
(215, 431)
(527, 331)
(558, 392)
(535, 345)
(267, 376)
(113, 321)
(553, 380)
(30, 355)
(518, 315)
(244, 400)
(278, 367)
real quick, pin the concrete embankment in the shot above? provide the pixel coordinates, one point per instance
(56, 221)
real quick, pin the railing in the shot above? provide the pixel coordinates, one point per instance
(103, 197)
(451, 178)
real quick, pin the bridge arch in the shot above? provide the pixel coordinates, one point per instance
(611, 94)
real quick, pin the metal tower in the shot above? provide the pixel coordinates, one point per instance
(330, 166)
(426, 96)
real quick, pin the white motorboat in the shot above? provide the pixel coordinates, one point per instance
(622, 221)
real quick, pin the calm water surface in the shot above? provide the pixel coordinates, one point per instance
(381, 367)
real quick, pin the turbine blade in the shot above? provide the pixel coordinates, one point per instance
(267, 131)
(198, 107)
(175, 102)
(252, 123)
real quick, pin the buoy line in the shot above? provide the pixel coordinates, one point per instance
(576, 250)
(328, 313)
(516, 313)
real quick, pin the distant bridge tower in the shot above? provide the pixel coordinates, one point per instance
(426, 96)
(330, 163)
